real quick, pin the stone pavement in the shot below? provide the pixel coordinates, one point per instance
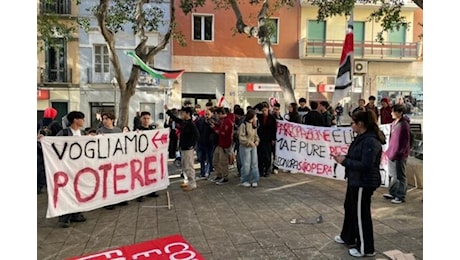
(229, 221)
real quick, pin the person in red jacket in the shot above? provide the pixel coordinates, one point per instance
(385, 112)
(224, 148)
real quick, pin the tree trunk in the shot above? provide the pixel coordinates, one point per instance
(123, 108)
(279, 71)
(128, 89)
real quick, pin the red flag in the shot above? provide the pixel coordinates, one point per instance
(345, 73)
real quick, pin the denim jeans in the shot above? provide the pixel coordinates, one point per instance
(249, 169)
(205, 159)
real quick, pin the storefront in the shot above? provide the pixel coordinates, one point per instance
(253, 89)
(400, 89)
(200, 88)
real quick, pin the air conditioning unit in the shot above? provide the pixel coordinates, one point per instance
(360, 67)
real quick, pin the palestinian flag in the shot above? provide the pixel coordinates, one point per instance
(154, 72)
(344, 75)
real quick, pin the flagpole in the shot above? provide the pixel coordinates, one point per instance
(344, 79)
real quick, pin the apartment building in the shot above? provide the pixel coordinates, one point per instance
(99, 89)
(393, 69)
(216, 61)
(58, 73)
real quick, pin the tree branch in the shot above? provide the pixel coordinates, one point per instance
(108, 35)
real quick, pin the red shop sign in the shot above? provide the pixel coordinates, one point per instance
(43, 94)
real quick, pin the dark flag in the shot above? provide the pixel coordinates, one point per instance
(345, 73)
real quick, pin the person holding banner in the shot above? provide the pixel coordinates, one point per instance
(146, 125)
(77, 121)
(108, 127)
(277, 114)
(362, 172)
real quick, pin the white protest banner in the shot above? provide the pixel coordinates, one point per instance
(307, 149)
(88, 172)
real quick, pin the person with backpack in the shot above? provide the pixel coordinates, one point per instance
(398, 152)
(47, 126)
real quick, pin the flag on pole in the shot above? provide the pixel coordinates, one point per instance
(154, 72)
(221, 102)
(345, 73)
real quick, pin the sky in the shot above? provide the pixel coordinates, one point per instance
(440, 136)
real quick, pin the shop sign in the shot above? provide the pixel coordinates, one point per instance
(325, 88)
(250, 87)
(43, 94)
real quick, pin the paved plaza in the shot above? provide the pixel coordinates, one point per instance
(226, 222)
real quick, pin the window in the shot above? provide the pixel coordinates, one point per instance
(203, 27)
(101, 59)
(273, 28)
(316, 37)
(55, 7)
(56, 61)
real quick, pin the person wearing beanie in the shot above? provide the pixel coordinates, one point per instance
(385, 111)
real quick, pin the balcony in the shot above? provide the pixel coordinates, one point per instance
(54, 76)
(368, 4)
(368, 50)
(55, 7)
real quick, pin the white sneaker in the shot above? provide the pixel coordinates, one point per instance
(275, 171)
(339, 240)
(254, 185)
(246, 184)
(354, 252)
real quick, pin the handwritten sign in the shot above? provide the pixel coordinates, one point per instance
(88, 172)
(307, 149)
(167, 248)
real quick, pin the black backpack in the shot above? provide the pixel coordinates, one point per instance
(49, 130)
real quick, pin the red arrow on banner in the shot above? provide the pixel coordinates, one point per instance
(163, 139)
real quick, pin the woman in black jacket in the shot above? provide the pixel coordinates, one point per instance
(362, 164)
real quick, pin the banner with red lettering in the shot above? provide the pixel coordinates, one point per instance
(88, 172)
(166, 248)
(307, 149)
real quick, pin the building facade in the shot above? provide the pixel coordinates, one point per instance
(58, 74)
(219, 62)
(99, 89)
(393, 69)
(216, 60)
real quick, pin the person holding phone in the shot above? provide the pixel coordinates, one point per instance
(362, 171)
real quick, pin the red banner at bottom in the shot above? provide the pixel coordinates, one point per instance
(173, 247)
